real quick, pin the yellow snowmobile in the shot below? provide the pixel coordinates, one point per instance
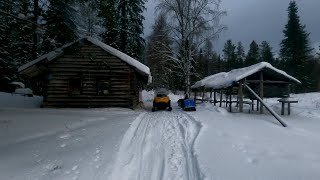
(161, 101)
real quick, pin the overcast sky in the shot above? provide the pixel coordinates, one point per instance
(258, 20)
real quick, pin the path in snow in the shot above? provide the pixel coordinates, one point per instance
(158, 146)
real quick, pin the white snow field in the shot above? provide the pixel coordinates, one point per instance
(60, 143)
(122, 144)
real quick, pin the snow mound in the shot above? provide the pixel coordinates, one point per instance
(8, 100)
(147, 96)
(24, 91)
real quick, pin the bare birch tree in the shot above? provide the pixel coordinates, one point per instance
(191, 23)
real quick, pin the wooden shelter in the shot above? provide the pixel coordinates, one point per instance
(87, 73)
(258, 77)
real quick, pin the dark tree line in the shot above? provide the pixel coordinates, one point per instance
(234, 56)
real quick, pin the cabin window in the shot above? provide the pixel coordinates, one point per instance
(75, 86)
(103, 87)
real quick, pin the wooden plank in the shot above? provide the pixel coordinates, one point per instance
(85, 99)
(267, 107)
(87, 104)
(53, 69)
(89, 66)
(49, 92)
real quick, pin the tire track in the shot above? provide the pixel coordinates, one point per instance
(158, 146)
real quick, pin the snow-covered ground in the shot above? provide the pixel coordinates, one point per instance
(253, 146)
(60, 144)
(8, 100)
(121, 144)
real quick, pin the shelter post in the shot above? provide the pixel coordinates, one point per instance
(203, 93)
(240, 96)
(214, 97)
(261, 90)
(220, 97)
(230, 100)
(195, 95)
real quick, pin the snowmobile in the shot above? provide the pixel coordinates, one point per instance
(161, 101)
(187, 104)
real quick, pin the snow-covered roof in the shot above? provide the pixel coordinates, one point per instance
(143, 69)
(226, 79)
(18, 84)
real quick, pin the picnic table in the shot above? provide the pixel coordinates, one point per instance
(286, 101)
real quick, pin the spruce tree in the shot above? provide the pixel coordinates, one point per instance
(130, 27)
(240, 55)
(108, 13)
(16, 47)
(22, 47)
(209, 56)
(229, 55)
(6, 60)
(295, 49)
(253, 55)
(59, 25)
(266, 53)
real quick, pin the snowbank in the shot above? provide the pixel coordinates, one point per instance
(24, 91)
(8, 100)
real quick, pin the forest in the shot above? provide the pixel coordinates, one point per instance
(179, 50)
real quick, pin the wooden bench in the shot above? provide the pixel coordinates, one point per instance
(237, 102)
(250, 103)
(286, 101)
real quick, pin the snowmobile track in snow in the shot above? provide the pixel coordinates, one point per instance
(158, 146)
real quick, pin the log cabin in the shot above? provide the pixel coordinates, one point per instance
(87, 73)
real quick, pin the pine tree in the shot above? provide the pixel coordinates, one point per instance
(59, 25)
(6, 60)
(108, 13)
(16, 46)
(87, 18)
(253, 55)
(266, 53)
(130, 27)
(229, 55)
(22, 47)
(201, 65)
(209, 56)
(240, 55)
(295, 49)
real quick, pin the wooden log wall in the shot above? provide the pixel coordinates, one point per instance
(91, 64)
